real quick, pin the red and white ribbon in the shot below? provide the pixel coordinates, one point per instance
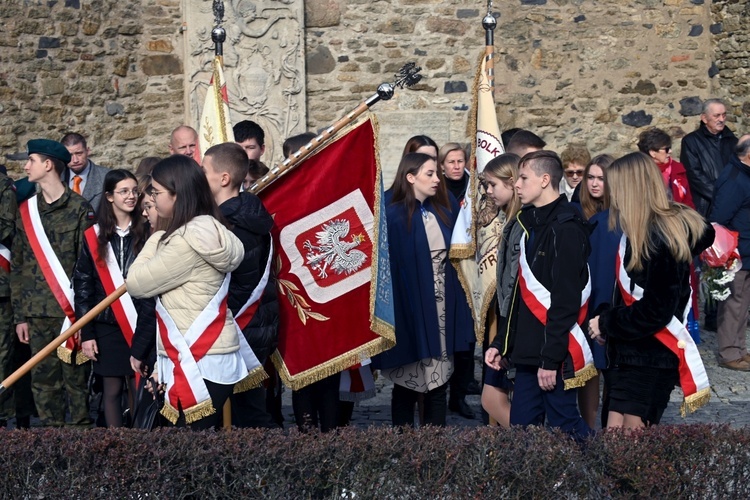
(247, 311)
(357, 383)
(50, 265)
(111, 277)
(4, 258)
(675, 337)
(538, 299)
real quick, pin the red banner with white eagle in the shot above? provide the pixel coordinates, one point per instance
(332, 265)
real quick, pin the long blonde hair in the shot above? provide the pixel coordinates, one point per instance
(640, 206)
(505, 168)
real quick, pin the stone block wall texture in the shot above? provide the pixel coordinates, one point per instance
(585, 71)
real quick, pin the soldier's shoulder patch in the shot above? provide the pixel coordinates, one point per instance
(90, 215)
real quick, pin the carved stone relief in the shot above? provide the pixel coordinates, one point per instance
(264, 64)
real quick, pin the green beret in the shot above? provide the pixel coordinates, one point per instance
(50, 148)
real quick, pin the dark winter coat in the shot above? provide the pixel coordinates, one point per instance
(630, 330)
(704, 155)
(731, 206)
(252, 224)
(557, 249)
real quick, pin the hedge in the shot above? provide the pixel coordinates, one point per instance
(688, 461)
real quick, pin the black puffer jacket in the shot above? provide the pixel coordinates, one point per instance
(252, 224)
(557, 250)
(89, 290)
(704, 156)
(630, 330)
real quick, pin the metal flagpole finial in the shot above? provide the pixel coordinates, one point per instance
(407, 76)
(218, 8)
(218, 34)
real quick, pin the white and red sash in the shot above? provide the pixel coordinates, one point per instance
(186, 388)
(675, 337)
(537, 298)
(247, 311)
(357, 383)
(54, 275)
(111, 277)
(4, 258)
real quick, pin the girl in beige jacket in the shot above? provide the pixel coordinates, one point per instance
(186, 265)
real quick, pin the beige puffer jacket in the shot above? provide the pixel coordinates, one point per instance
(186, 271)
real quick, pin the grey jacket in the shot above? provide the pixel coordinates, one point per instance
(92, 191)
(507, 264)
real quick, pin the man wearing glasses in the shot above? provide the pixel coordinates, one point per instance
(83, 176)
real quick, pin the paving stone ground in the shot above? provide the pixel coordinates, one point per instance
(730, 397)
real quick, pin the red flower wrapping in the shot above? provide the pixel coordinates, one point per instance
(724, 248)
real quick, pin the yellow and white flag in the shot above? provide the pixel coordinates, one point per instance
(477, 232)
(215, 126)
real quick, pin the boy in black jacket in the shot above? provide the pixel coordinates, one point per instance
(547, 300)
(226, 166)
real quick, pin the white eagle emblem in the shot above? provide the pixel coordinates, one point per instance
(332, 252)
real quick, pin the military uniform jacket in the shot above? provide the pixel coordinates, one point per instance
(8, 213)
(64, 222)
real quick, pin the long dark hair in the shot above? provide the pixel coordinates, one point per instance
(182, 176)
(106, 215)
(417, 142)
(403, 191)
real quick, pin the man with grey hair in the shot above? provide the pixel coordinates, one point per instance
(705, 151)
(731, 208)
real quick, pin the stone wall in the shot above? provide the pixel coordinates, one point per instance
(110, 70)
(572, 70)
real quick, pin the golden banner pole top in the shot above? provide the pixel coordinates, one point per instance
(407, 76)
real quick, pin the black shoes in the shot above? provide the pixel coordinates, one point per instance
(462, 408)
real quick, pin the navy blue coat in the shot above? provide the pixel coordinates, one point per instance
(417, 331)
(731, 205)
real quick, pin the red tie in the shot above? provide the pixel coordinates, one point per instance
(77, 183)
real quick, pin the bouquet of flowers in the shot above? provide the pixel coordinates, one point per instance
(722, 262)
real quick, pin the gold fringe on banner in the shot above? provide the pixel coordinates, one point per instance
(330, 367)
(254, 379)
(695, 401)
(581, 377)
(377, 325)
(66, 356)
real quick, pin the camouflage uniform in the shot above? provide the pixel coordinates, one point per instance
(8, 212)
(64, 221)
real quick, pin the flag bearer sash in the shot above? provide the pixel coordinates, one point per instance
(54, 275)
(4, 258)
(247, 311)
(675, 337)
(357, 383)
(186, 364)
(110, 275)
(537, 298)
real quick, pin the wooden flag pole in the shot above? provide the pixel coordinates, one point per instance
(407, 76)
(52, 346)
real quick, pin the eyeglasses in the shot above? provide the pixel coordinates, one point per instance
(155, 193)
(126, 192)
(574, 173)
(666, 149)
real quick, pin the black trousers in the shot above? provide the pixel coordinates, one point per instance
(219, 394)
(317, 404)
(404, 400)
(463, 373)
(249, 410)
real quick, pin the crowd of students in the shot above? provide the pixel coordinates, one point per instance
(594, 264)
